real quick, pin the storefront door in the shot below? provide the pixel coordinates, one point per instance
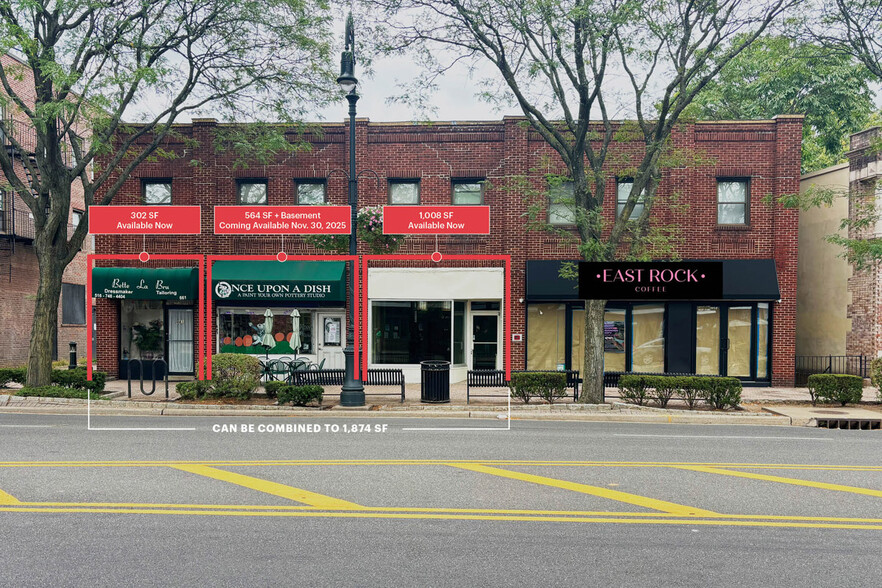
(180, 340)
(485, 341)
(331, 340)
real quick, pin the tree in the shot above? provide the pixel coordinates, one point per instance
(94, 61)
(559, 60)
(779, 75)
(853, 27)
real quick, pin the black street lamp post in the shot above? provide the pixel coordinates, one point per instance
(352, 393)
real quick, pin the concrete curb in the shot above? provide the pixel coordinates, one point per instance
(621, 413)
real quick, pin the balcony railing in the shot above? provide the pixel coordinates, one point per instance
(17, 223)
(22, 132)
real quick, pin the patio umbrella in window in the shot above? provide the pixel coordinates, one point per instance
(295, 328)
(267, 339)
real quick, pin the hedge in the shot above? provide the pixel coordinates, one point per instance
(64, 378)
(234, 376)
(719, 392)
(58, 392)
(876, 376)
(841, 388)
(547, 386)
(299, 395)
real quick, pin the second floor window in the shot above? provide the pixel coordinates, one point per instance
(251, 192)
(157, 191)
(467, 192)
(732, 198)
(404, 192)
(561, 204)
(310, 192)
(623, 190)
(76, 218)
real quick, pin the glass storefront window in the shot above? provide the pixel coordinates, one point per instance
(614, 340)
(738, 362)
(707, 340)
(245, 330)
(410, 331)
(648, 328)
(459, 332)
(577, 361)
(762, 340)
(546, 336)
(142, 332)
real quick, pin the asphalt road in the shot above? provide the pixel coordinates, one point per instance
(545, 503)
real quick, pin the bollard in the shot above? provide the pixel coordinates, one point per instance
(73, 356)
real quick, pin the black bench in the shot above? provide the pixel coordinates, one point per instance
(375, 377)
(496, 379)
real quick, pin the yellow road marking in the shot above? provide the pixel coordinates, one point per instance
(380, 515)
(625, 497)
(781, 480)
(289, 492)
(8, 498)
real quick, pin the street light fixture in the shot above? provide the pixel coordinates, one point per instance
(352, 393)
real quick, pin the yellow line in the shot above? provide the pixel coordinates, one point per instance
(8, 498)
(625, 497)
(366, 515)
(780, 480)
(289, 492)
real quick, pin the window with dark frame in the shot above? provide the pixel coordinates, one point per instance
(561, 204)
(76, 218)
(404, 191)
(468, 192)
(73, 304)
(733, 195)
(156, 191)
(250, 192)
(2, 211)
(623, 190)
(310, 192)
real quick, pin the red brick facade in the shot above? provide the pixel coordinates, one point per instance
(19, 275)
(502, 153)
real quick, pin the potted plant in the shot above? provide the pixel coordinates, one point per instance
(370, 231)
(148, 338)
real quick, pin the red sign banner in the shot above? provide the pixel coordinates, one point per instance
(282, 220)
(145, 220)
(436, 220)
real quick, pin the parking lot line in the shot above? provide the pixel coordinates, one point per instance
(267, 487)
(643, 501)
(782, 480)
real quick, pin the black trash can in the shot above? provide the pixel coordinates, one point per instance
(435, 381)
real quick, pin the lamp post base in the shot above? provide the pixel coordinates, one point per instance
(352, 393)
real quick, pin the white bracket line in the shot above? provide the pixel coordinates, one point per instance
(89, 426)
(506, 428)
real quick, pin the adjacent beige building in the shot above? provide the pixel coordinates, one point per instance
(823, 295)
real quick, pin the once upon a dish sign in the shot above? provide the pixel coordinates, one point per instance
(685, 280)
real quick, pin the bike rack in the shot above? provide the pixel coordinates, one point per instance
(141, 375)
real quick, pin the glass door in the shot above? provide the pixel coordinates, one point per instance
(738, 332)
(707, 340)
(485, 341)
(180, 340)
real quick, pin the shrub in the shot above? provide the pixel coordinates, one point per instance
(547, 386)
(299, 395)
(64, 363)
(842, 388)
(663, 388)
(634, 388)
(689, 389)
(720, 393)
(193, 390)
(876, 376)
(234, 375)
(58, 392)
(17, 375)
(77, 379)
(272, 388)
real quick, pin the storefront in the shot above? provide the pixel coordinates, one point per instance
(450, 314)
(281, 310)
(730, 334)
(156, 316)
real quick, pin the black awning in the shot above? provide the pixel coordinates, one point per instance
(743, 279)
(750, 279)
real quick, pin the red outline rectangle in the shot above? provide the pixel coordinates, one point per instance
(353, 258)
(396, 215)
(506, 302)
(193, 225)
(201, 327)
(345, 212)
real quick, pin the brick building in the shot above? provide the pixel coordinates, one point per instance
(454, 310)
(19, 274)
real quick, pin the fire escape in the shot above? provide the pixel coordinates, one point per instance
(16, 221)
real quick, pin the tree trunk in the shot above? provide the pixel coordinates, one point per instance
(45, 318)
(592, 379)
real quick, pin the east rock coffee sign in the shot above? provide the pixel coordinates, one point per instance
(697, 280)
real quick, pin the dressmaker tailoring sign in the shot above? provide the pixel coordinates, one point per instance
(687, 280)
